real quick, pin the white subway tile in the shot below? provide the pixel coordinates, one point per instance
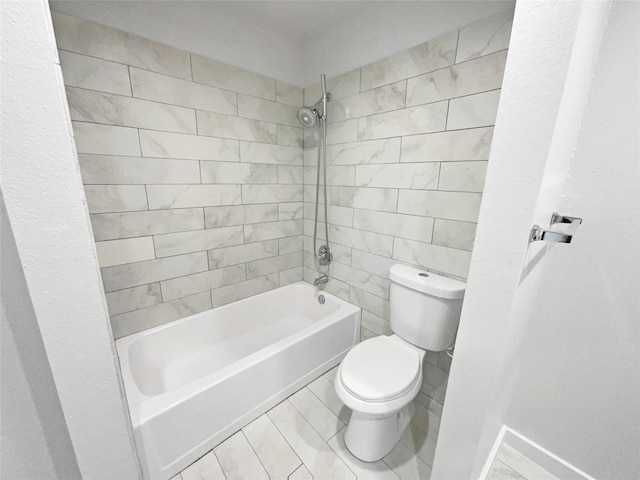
(113, 170)
(429, 56)
(94, 73)
(370, 198)
(289, 244)
(447, 205)
(343, 175)
(409, 121)
(370, 302)
(189, 147)
(252, 152)
(271, 193)
(450, 233)
(145, 318)
(227, 126)
(106, 139)
(461, 145)
(382, 99)
(226, 172)
(129, 250)
(266, 231)
(267, 111)
(290, 136)
(479, 75)
(110, 226)
(486, 36)
(366, 281)
(115, 198)
(288, 94)
(433, 257)
(338, 132)
(367, 241)
(239, 215)
(463, 176)
(478, 110)
(142, 273)
(81, 36)
(222, 257)
(375, 151)
(265, 266)
(248, 288)
(185, 196)
(404, 226)
(162, 88)
(290, 275)
(288, 174)
(221, 75)
(135, 298)
(201, 282)
(171, 244)
(290, 211)
(402, 175)
(339, 87)
(106, 108)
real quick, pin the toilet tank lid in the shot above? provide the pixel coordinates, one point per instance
(427, 282)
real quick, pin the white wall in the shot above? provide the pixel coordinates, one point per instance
(235, 32)
(577, 390)
(510, 315)
(35, 442)
(46, 208)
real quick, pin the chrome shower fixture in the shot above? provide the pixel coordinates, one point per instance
(308, 116)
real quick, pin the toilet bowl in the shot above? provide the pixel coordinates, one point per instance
(378, 382)
(379, 378)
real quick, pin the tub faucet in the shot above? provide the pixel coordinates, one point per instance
(320, 280)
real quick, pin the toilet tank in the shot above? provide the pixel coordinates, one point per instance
(425, 307)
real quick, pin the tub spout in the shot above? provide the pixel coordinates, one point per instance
(320, 280)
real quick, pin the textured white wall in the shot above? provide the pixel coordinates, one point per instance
(46, 208)
(231, 34)
(35, 442)
(577, 389)
(522, 307)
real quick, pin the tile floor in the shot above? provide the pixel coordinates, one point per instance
(303, 438)
(510, 464)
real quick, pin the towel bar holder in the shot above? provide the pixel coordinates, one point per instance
(539, 234)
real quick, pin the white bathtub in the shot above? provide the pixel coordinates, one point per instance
(192, 383)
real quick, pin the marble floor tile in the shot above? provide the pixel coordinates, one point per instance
(207, 468)
(302, 438)
(321, 418)
(276, 455)
(317, 456)
(238, 460)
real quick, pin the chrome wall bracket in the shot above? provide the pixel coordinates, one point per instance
(539, 234)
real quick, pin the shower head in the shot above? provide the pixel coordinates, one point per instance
(308, 117)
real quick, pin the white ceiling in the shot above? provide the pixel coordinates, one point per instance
(293, 41)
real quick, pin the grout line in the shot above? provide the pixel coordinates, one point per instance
(254, 451)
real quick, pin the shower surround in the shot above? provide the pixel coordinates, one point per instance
(192, 172)
(195, 179)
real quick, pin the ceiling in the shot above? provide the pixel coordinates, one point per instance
(292, 41)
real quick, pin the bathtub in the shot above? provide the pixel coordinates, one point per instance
(193, 382)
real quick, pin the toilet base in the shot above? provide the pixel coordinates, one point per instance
(371, 437)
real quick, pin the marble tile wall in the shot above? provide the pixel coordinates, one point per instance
(408, 140)
(193, 173)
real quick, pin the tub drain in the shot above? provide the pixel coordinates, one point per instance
(321, 299)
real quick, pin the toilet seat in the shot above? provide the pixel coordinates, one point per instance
(380, 369)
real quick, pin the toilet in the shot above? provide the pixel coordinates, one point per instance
(380, 377)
